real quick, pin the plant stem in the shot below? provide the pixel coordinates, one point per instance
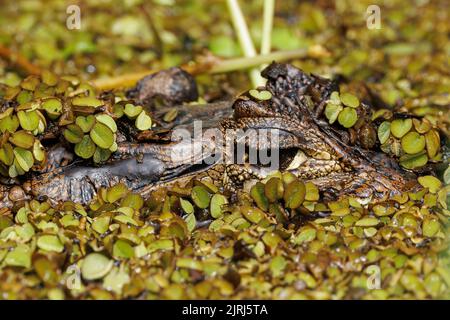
(19, 60)
(158, 41)
(245, 63)
(221, 66)
(245, 41)
(268, 12)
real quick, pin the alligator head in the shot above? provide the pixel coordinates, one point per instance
(306, 144)
(309, 146)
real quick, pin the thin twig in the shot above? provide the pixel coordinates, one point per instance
(245, 41)
(19, 60)
(219, 66)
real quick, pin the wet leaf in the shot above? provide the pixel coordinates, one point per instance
(332, 111)
(413, 161)
(95, 266)
(400, 127)
(347, 117)
(384, 130)
(7, 154)
(116, 192)
(421, 126)
(50, 243)
(367, 222)
(102, 135)
(433, 143)
(430, 227)
(258, 195)
(413, 143)
(334, 98)
(447, 175)
(52, 106)
(20, 256)
(87, 102)
(294, 194)
(349, 100)
(116, 280)
(29, 120)
(191, 222)
(312, 192)
(85, 123)
(122, 249)
(73, 133)
(143, 121)
(24, 158)
(101, 224)
(86, 148)
(432, 183)
(252, 214)
(260, 95)
(170, 115)
(306, 234)
(132, 111)
(9, 124)
(101, 155)
(186, 206)
(200, 196)
(106, 120)
(274, 189)
(217, 203)
(38, 151)
(22, 139)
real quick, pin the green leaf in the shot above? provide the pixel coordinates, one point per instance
(73, 133)
(384, 130)
(24, 158)
(348, 117)
(102, 136)
(50, 243)
(349, 100)
(143, 121)
(85, 123)
(85, 148)
(332, 111)
(29, 120)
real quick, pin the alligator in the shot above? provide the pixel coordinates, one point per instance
(308, 146)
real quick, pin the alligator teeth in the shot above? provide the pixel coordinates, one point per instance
(299, 158)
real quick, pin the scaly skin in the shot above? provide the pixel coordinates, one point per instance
(326, 157)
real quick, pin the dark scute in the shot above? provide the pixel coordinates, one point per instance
(172, 86)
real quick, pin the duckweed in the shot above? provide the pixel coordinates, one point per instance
(95, 266)
(348, 117)
(384, 130)
(200, 196)
(294, 194)
(260, 95)
(349, 100)
(316, 251)
(400, 127)
(413, 143)
(90, 129)
(217, 203)
(432, 183)
(102, 136)
(50, 243)
(143, 121)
